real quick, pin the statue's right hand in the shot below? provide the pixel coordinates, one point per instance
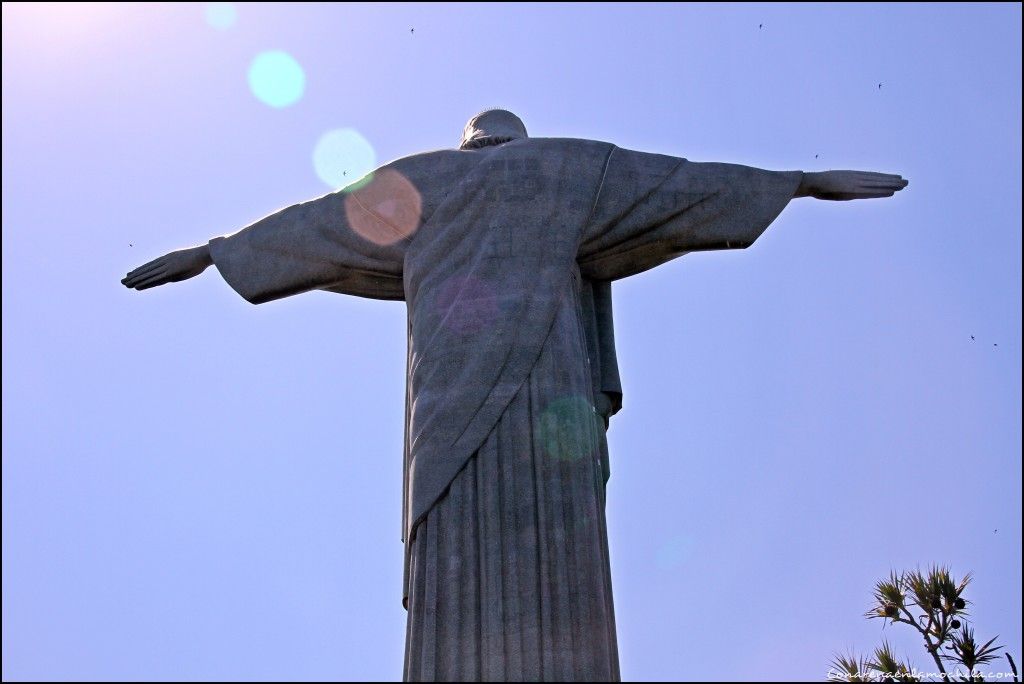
(170, 268)
(850, 185)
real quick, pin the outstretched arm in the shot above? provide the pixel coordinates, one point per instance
(170, 268)
(653, 208)
(849, 185)
(341, 242)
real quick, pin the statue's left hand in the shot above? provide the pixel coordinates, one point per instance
(170, 268)
(850, 185)
(603, 407)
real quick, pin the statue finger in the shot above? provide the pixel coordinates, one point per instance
(131, 280)
(145, 267)
(134, 279)
(875, 177)
(897, 181)
(149, 266)
(158, 278)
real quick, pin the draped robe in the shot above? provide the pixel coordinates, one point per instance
(504, 256)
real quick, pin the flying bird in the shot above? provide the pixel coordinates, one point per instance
(815, 156)
(879, 86)
(760, 26)
(412, 30)
(972, 337)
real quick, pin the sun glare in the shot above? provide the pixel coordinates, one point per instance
(56, 24)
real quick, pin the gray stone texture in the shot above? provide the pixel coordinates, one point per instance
(504, 251)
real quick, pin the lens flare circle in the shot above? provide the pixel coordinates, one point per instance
(385, 209)
(342, 157)
(276, 79)
(675, 552)
(221, 15)
(568, 429)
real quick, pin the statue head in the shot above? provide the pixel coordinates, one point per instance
(492, 127)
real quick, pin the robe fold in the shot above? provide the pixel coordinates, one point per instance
(504, 256)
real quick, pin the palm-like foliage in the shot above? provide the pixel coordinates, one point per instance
(850, 668)
(890, 668)
(931, 602)
(890, 597)
(967, 652)
(936, 590)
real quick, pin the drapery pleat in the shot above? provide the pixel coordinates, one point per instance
(509, 572)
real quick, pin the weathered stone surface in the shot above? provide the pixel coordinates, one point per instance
(504, 251)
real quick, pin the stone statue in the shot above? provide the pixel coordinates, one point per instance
(504, 250)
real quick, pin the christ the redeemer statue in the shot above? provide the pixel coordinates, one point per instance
(504, 251)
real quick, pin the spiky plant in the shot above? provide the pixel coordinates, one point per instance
(890, 598)
(932, 602)
(967, 652)
(850, 668)
(889, 667)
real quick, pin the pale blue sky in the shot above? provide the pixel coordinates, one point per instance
(194, 487)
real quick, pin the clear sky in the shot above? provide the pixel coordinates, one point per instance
(194, 487)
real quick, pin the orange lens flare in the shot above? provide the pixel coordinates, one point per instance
(386, 209)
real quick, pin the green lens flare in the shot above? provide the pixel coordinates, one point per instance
(221, 15)
(569, 428)
(276, 79)
(342, 157)
(675, 552)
